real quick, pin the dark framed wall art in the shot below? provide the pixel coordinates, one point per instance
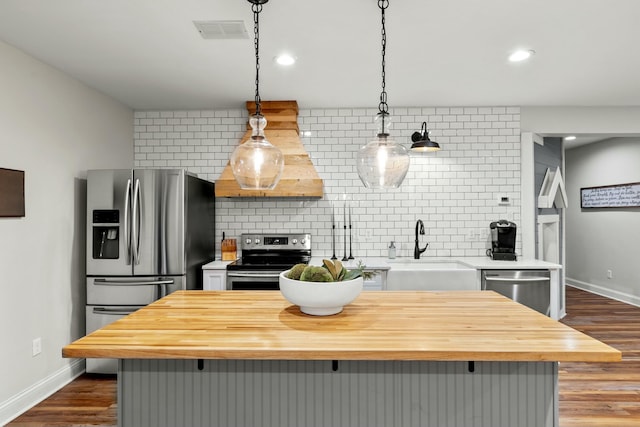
(611, 196)
(11, 193)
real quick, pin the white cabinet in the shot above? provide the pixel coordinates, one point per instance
(214, 280)
(214, 276)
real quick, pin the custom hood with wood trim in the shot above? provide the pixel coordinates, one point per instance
(299, 177)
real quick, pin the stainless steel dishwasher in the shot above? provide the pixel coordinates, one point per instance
(528, 287)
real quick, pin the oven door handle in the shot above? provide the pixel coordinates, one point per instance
(254, 275)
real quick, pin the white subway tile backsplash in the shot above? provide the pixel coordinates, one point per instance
(453, 191)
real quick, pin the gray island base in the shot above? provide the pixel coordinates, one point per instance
(319, 393)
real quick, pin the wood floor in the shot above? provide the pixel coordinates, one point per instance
(602, 394)
(591, 394)
(89, 400)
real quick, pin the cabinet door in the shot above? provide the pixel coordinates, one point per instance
(214, 280)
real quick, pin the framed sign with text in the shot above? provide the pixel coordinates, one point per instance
(611, 196)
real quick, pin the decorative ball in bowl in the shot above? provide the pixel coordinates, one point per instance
(321, 291)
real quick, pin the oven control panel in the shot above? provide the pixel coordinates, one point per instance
(276, 242)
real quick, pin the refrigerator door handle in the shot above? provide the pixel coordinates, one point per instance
(162, 230)
(114, 311)
(107, 282)
(127, 237)
(135, 229)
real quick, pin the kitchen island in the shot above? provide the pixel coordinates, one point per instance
(410, 358)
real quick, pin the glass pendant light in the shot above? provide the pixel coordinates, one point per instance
(257, 164)
(383, 163)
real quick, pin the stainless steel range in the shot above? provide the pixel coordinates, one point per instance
(264, 257)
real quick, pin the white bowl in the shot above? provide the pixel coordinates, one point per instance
(320, 298)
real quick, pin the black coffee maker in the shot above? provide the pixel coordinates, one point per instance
(503, 240)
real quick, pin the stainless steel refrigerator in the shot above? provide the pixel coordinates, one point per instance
(149, 231)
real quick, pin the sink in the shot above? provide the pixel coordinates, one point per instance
(431, 275)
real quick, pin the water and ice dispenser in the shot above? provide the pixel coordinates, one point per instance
(106, 235)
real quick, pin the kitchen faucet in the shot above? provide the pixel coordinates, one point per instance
(419, 230)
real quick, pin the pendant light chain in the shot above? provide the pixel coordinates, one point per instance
(383, 107)
(256, 163)
(382, 163)
(257, 8)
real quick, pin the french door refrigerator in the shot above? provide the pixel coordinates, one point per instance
(149, 231)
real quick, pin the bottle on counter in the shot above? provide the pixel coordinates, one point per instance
(392, 250)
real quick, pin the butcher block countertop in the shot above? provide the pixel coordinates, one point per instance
(385, 325)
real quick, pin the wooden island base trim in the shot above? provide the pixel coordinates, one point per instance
(269, 393)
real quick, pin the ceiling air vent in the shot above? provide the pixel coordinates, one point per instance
(221, 29)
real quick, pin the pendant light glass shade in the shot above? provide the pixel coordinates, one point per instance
(257, 164)
(382, 163)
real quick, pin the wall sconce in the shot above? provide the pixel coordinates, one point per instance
(422, 143)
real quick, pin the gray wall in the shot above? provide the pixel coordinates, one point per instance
(53, 128)
(603, 239)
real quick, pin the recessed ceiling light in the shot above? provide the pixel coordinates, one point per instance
(521, 55)
(570, 138)
(285, 59)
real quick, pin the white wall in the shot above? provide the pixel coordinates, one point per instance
(53, 128)
(552, 121)
(603, 239)
(454, 192)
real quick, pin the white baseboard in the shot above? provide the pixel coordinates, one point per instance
(26, 399)
(605, 292)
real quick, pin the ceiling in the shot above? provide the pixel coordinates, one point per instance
(149, 55)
